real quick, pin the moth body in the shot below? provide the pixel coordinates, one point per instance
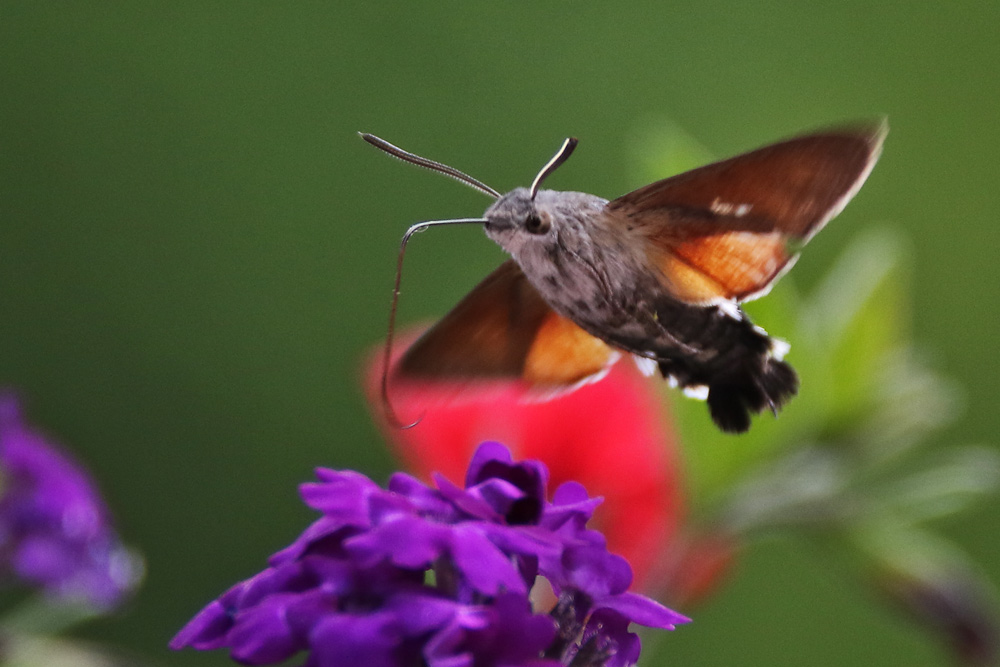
(593, 268)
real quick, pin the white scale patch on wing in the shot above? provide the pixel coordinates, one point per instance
(720, 207)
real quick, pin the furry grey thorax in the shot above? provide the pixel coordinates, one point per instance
(585, 270)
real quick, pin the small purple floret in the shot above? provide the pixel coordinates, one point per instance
(55, 531)
(413, 575)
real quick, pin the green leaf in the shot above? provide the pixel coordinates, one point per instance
(948, 482)
(857, 317)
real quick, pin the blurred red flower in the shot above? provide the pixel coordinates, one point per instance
(612, 436)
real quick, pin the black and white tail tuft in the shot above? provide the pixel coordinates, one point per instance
(733, 398)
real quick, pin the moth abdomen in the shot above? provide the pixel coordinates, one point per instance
(724, 358)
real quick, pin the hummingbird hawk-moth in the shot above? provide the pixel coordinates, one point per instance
(658, 273)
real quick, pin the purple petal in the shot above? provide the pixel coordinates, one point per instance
(449, 647)
(207, 630)
(640, 609)
(522, 635)
(486, 453)
(570, 503)
(487, 569)
(425, 500)
(419, 614)
(262, 634)
(472, 506)
(346, 639)
(492, 461)
(505, 633)
(45, 557)
(408, 542)
(522, 540)
(596, 572)
(510, 501)
(341, 495)
(324, 535)
(56, 530)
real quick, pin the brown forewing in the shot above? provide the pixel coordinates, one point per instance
(730, 228)
(504, 329)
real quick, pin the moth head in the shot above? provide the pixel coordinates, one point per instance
(516, 220)
(521, 214)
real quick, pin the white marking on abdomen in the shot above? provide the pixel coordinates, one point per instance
(696, 391)
(645, 365)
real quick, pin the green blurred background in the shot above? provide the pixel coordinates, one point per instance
(196, 249)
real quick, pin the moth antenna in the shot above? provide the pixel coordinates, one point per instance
(390, 413)
(561, 156)
(406, 156)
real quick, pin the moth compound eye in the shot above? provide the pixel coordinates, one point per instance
(537, 224)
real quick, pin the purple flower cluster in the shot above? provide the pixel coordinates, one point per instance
(440, 577)
(55, 531)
